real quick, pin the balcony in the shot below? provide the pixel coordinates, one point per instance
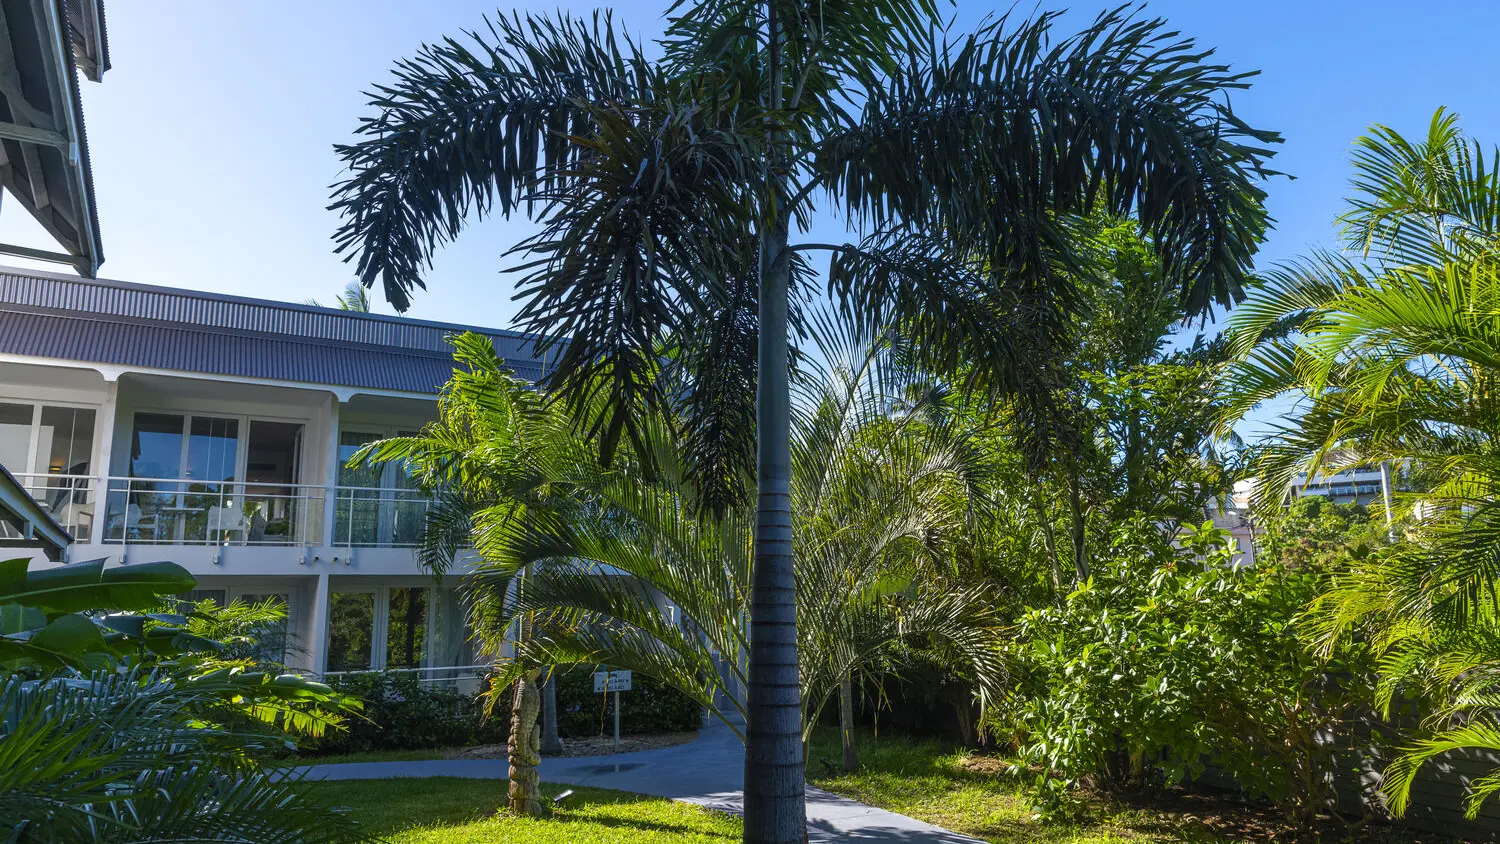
(187, 511)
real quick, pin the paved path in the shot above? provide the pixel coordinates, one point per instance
(708, 771)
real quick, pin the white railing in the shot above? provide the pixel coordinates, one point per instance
(378, 517)
(69, 499)
(435, 675)
(187, 511)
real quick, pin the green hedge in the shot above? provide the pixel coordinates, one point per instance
(649, 707)
(403, 714)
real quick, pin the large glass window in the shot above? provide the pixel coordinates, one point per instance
(351, 627)
(357, 515)
(156, 446)
(64, 441)
(377, 505)
(64, 453)
(406, 628)
(273, 508)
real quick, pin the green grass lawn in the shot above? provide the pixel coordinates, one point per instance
(445, 810)
(930, 780)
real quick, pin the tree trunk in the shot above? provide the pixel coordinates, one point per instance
(525, 750)
(1049, 538)
(1079, 532)
(773, 753)
(774, 787)
(551, 742)
(846, 724)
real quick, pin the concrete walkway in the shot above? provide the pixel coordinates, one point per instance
(708, 772)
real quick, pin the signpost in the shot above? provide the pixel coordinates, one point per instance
(613, 681)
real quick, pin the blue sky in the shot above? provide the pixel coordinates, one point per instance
(211, 137)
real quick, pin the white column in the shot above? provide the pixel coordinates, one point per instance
(317, 634)
(331, 477)
(104, 430)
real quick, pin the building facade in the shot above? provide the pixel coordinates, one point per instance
(215, 431)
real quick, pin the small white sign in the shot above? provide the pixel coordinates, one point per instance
(611, 681)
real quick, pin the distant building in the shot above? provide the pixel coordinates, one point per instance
(1360, 485)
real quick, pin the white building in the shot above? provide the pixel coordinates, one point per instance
(213, 431)
(1358, 485)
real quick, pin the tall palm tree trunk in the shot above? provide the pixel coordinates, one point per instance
(774, 787)
(773, 745)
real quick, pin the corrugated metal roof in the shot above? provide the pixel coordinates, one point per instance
(162, 328)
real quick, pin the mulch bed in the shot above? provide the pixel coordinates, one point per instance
(589, 746)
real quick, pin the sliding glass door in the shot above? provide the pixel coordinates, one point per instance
(188, 481)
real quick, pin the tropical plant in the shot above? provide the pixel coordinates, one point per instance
(667, 191)
(881, 473)
(1390, 350)
(118, 725)
(269, 694)
(124, 758)
(1169, 658)
(356, 297)
(499, 450)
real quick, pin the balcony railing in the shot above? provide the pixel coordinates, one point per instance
(445, 675)
(185, 511)
(69, 499)
(379, 517)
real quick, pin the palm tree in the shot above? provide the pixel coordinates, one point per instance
(1391, 351)
(882, 476)
(356, 297)
(667, 192)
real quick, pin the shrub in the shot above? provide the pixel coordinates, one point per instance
(1164, 662)
(402, 713)
(649, 707)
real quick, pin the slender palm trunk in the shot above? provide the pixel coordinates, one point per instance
(846, 724)
(525, 750)
(773, 747)
(551, 741)
(774, 787)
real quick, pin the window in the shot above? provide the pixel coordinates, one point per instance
(196, 595)
(46, 439)
(406, 628)
(377, 505)
(50, 449)
(193, 480)
(64, 441)
(351, 627)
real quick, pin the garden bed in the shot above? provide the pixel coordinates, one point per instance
(590, 746)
